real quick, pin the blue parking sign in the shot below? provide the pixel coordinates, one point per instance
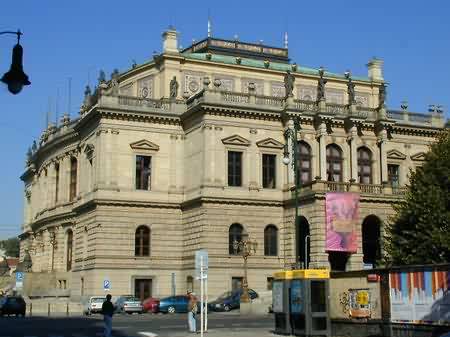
(19, 280)
(106, 285)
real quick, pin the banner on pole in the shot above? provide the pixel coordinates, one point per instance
(342, 216)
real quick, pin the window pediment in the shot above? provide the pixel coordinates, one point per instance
(418, 156)
(144, 145)
(236, 140)
(270, 143)
(395, 154)
(89, 151)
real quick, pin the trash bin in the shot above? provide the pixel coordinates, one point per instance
(300, 302)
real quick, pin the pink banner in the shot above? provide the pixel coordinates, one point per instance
(342, 212)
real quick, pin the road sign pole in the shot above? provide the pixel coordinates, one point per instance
(201, 296)
(206, 302)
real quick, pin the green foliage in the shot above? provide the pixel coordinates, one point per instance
(420, 230)
(11, 247)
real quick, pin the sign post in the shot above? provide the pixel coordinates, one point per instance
(201, 267)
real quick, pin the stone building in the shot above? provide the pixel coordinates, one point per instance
(185, 152)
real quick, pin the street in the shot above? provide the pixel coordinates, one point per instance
(219, 324)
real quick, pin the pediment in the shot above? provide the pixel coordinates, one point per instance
(236, 140)
(395, 154)
(144, 145)
(418, 156)
(270, 143)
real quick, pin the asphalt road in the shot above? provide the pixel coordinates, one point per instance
(220, 324)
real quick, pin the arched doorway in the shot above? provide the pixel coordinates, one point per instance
(303, 238)
(371, 240)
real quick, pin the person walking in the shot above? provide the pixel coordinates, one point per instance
(107, 311)
(192, 311)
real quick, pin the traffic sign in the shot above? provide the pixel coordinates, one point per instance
(106, 285)
(201, 256)
(19, 280)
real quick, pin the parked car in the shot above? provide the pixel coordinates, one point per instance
(151, 305)
(12, 305)
(230, 300)
(94, 305)
(174, 304)
(128, 304)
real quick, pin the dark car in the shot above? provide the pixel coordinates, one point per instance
(128, 304)
(230, 300)
(12, 305)
(174, 304)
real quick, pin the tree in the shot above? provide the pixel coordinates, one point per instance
(420, 230)
(11, 247)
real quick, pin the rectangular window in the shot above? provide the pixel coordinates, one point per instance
(56, 182)
(268, 170)
(143, 172)
(73, 178)
(393, 175)
(234, 168)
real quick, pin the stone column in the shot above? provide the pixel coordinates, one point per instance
(321, 134)
(207, 159)
(382, 138)
(100, 165)
(290, 171)
(353, 153)
(64, 177)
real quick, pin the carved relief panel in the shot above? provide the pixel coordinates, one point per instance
(227, 84)
(259, 86)
(126, 90)
(145, 87)
(278, 89)
(192, 83)
(362, 99)
(307, 93)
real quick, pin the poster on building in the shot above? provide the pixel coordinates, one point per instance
(342, 216)
(420, 296)
(359, 303)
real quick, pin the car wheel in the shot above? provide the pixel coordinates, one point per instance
(226, 308)
(171, 310)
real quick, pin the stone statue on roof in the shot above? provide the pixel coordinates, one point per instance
(289, 80)
(321, 85)
(173, 87)
(351, 91)
(382, 96)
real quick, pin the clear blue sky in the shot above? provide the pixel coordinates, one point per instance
(75, 39)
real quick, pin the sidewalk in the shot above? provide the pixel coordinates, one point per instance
(241, 332)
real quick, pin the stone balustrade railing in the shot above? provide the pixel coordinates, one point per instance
(334, 186)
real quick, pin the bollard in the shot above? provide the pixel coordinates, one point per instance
(48, 307)
(67, 309)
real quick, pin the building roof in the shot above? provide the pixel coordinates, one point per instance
(258, 63)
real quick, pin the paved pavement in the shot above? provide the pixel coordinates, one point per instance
(146, 325)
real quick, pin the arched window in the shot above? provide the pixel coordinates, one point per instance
(271, 241)
(69, 249)
(364, 165)
(234, 234)
(73, 178)
(334, 163)
(304, 162)
(142, 241)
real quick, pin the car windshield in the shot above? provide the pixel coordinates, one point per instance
(225, 295)
(97, 300)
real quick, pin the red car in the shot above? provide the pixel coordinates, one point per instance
(151, 305)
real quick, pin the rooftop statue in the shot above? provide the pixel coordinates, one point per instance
(351, 91)
(174, 87)
(289, 80)
(382, 96)
(321, 86)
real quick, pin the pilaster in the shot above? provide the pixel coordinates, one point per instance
(321, 135)
(382, 139)
(353, 153)
(172, 163)
(253, 173)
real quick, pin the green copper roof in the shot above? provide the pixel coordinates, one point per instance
(260, 64)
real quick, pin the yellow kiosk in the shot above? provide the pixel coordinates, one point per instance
(300, 302)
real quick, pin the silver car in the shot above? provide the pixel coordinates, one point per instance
(94, 305)
(128, 304)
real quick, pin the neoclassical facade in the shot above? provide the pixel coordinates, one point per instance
(185, 152)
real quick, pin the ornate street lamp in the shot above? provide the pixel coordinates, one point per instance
(15, 78)
(246, 248)
(291, 134)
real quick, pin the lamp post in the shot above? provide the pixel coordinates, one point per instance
(291, 134)
(15, 78)
(246, 248)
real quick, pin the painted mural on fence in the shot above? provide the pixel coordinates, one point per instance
(422, 296)
(342, 216)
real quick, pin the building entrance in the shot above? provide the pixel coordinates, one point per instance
(142, 288)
